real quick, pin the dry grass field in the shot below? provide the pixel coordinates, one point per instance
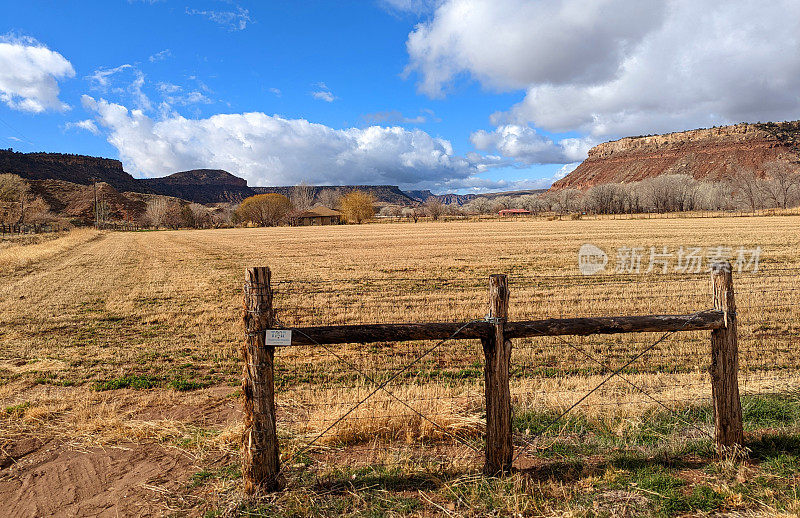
(119, 372)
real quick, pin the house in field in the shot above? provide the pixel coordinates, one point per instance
(505, 213)
(317, 215)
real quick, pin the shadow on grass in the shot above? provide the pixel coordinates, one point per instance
(385, 479)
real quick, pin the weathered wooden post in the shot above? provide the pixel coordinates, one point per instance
(724, 368)
(497, 353)
(260, 465)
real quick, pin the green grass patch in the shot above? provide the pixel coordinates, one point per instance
(133, 381)
(17, 411)
(771, 410)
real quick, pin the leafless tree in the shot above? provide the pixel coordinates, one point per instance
(14, 195)
(479, 205)
(781, 183)
(329, 198)
(156, 211)
(607, 198)
(433, 208)
(302, 196)
(748, 187)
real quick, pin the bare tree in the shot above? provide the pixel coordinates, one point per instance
(14, 195)
(607, 198)
(302, 196)
(480, 205)
(566, 200)
(434, 208)
(748, 187)
(391, 211)
(156, 211)
(329, 198)
(780, 185)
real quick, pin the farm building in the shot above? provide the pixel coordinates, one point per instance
(514, 212)
(318, 215)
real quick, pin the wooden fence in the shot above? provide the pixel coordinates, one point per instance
(260, 453)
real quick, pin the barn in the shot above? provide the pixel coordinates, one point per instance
(318, 215)
(514, 212)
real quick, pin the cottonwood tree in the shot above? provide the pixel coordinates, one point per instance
(479, 205)
(566, 200)
(357, 206)
(434, 208)
(302, 196)
(781, 183)
(14, 195)
(607, 198)
(329, 198)
(265, 210)
(748, 187)
(155, 212)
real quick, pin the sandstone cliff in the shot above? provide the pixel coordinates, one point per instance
(706, 154)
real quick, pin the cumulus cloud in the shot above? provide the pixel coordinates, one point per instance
(619, 67)
(323, 93)
(509, 44)
(524, 144)
(271, 150)
(29, 75)
(235, 20)
(86, 125)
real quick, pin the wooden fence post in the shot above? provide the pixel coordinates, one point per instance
(724, 368)
(260, 464)
(497, 353)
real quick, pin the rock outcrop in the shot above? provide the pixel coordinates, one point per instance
(78, 169)
(201, 186)
(711, 154)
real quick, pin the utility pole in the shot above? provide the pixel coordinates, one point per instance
(94, 187)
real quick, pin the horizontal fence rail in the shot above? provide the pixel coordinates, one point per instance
(707, 320)
(260, 457)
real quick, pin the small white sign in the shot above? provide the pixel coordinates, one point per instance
(278, 337)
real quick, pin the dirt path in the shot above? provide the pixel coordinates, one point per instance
(52, 479)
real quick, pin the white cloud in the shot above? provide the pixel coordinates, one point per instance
(100, 79)
(86, 125)
(619, 67)
(276, 92)
(417, 7)
(323, 93)
(232, 20)
(29, 74)
(160, 56)
(176, 95)
(524, 144)
(271, 150)
(509, 44)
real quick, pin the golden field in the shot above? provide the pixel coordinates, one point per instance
(113, 339)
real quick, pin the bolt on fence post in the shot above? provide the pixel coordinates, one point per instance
(497, 354)
(728, 430)
(260, 464)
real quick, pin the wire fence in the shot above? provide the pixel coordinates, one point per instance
(344, 406)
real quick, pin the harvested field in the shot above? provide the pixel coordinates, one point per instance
(120, 360)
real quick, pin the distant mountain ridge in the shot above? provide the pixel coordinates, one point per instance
(384, 194)
(80, 169)
(201, 186)
(197, 185)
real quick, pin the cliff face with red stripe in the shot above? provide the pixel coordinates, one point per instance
(706, 154)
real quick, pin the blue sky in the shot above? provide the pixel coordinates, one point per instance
(452, 95)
